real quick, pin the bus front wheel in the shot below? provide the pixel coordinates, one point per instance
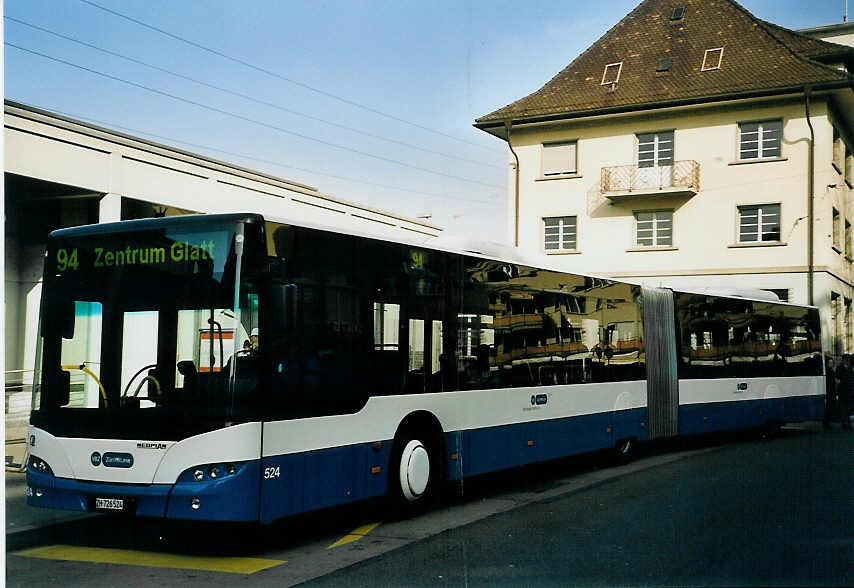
(414, 470)
(414, 475)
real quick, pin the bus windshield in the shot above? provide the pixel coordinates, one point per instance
(144, 333)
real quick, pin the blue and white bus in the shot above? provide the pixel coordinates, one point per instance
(233, 368)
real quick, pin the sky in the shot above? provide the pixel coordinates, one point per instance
(372, 101)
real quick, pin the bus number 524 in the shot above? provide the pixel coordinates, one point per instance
(270, 473)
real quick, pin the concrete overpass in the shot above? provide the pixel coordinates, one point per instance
(61, 172)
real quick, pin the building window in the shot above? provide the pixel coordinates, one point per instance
(655, 149)
(838, 151)
(847, 236)
(612, 73)
(848, 342)
(560, 159)
(678, 13)
(560, 233)
(835, 319)
(849, 167)
(759, 223)
(712, 59)
(654, 228)
(836, 230)
(760, 139)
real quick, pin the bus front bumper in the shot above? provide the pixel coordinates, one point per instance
(232, 499)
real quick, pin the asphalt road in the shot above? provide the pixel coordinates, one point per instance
(719, 511)
(754, 512)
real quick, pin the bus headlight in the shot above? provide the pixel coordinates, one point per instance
(39, 465)
(215, 471)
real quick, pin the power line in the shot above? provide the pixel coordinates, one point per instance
(251, 120)
(246, 96)
(279, 76)
(267, 161)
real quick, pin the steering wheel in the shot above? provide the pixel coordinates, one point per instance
(149, 377)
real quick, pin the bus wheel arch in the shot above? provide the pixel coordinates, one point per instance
(416, 465)
(771, 429)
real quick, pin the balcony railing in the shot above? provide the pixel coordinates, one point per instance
(632, 181)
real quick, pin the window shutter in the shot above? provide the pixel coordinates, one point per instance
(559, 159)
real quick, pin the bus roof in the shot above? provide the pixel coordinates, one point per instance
(479, 249)
(145, 224)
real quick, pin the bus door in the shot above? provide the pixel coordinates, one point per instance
(662, 384)
(213, 345)
(424, 350)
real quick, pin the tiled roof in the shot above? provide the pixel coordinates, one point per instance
(758, 57)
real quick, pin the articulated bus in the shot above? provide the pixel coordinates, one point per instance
(233, 368)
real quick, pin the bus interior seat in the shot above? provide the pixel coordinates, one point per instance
(187, 369)
(387, 367)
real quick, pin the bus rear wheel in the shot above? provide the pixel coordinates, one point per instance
(624, 451)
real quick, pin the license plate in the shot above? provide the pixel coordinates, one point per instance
(109, 503)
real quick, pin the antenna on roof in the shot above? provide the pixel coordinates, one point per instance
(845, 13)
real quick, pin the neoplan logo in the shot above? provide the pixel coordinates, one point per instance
(151, 446)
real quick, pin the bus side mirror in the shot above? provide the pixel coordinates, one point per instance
(61, 318)
(60, 388)
(283, 306)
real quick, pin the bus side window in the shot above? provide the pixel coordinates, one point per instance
(483, 344)
(415, 366)
(386, 351)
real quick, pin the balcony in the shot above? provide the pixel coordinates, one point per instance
(629, 182)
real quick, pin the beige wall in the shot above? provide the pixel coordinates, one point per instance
(841, 39)
(705, 251)
(841, 35)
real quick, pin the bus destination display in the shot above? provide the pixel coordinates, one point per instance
(68, 258)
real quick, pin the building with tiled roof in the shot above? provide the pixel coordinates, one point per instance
(694, 144)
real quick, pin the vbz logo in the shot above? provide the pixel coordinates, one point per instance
(96, 459)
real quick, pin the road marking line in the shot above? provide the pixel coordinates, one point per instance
(232, 565)
(354, 535)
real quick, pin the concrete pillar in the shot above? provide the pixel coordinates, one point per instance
(110, 208)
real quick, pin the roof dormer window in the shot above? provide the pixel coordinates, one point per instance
(678, 13)
(612, 73)
(712, 59)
